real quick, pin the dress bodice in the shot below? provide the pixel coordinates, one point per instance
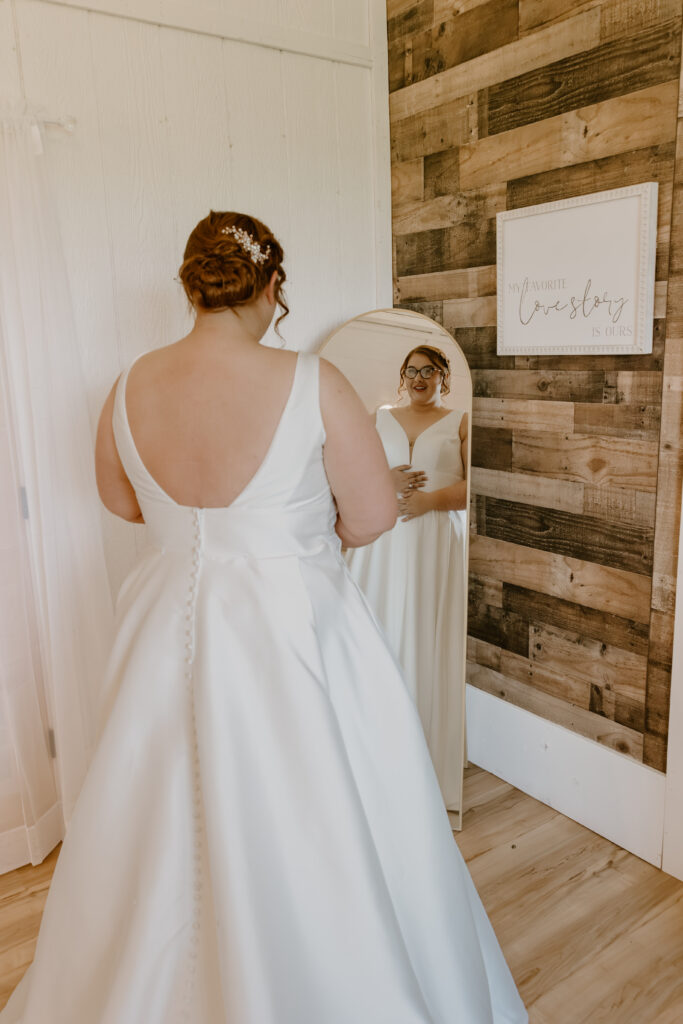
(436, 451)
(286, 508)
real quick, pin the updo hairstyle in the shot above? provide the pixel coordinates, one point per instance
(439, 360)
(219, 273)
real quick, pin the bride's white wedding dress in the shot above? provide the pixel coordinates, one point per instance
(414, 578)
(260, 838)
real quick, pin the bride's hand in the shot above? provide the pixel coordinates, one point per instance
(406, 479)
(413, 504)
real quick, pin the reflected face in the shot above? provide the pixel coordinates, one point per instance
(420, 391)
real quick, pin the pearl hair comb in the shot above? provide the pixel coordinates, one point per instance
(244, 239)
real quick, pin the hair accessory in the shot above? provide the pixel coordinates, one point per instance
(244, 239)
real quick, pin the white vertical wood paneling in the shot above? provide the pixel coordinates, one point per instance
(672, 849)
(355, 161)
(309, 97)
(10, 80)
(351, 20)
(197, 124)
(59, 79)
(293, 26)
(58, 69)
(258, 140)
(171, 123)
(139, 191)
(381, 177)
(308, 15)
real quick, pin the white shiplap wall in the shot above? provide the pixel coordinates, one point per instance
(181, 106)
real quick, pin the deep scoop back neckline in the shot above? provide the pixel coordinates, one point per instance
(259, 469)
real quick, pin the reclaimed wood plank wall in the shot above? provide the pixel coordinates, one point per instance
(577, 461)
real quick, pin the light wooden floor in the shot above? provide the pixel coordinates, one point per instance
(592, 934)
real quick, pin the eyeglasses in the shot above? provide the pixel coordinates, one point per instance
(425, 372)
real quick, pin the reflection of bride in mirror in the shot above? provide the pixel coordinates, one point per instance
(413, 575)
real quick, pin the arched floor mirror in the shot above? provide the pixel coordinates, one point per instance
(415, 576)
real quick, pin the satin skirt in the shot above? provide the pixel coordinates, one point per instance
(261, 838)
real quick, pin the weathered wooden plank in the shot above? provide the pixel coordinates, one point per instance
(484, 590)
(491, 448)
(596, 727)
(565, 495)
(674, 305)
(676, 249)
(407, 181)
(597, 625)
(596, 586)
(593, 661)
(482, 653)
(410, 20)
(479, 346)
(442, 174)
(604, 701)
(622, 420)
(654, 752)
(443, 211)
(635, 121)
(480, 312)
(658, 699)
(503, 629)
(515, 666)
(559, 684)
(653, 163)
(461, 39)
(450, 284)
(631, 62)
(591, 458)
(616, 544)
(617, 16)
(444, 10)
(556, 385)
(661, 288)
(445, 127)
(620, 504)
(400, 63)
(667, 525)
(431, 309)
(657, 703)
(579, 33)
(398, 7)
(518, 414)
(644, 387)
(536, 14)
(470, 243)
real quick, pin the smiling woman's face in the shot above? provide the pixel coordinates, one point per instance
(423, 392)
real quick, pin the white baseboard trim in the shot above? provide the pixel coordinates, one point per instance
(22, 845)
(611, 794)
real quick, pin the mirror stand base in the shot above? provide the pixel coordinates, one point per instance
(455, 818)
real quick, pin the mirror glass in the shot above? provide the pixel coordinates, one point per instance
(415, 576)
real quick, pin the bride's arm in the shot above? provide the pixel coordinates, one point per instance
(355, 463)
(115, 489)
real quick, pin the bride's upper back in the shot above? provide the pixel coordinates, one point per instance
(203, 415)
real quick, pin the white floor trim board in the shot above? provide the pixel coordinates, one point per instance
(607, 792)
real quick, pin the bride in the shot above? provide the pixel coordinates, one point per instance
(260, 838)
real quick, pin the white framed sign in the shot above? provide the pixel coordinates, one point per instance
(578, 275)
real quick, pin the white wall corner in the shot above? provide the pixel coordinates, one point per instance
(672, 845)
(379, 45)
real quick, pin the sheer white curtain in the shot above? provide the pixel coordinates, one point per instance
(55, 603)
